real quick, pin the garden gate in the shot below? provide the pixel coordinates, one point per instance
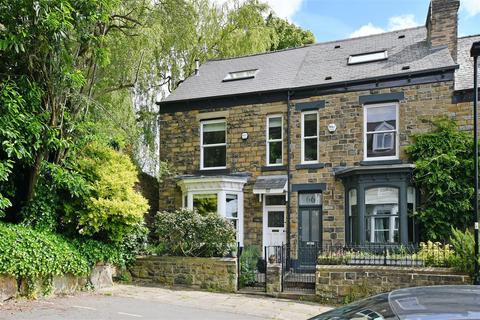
(251, 269)
(298, 273)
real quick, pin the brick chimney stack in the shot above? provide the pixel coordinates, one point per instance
(442, 24)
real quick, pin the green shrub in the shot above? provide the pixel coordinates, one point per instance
(134, 244)
(248, 265)
(464, 246)
(26, 253)
(94, 252)
(57, 188)
(113, 209)
(33, 254)
(189, 233)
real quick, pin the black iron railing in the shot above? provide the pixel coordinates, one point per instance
(412, 255)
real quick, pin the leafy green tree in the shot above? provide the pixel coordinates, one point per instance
(444, 174)
(21, 125)
(53, 45)
(70, 68)
(287, 35)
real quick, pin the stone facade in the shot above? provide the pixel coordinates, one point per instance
(341, 284)
(217, 274)
(180, 144)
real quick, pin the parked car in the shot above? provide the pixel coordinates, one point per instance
(437, 302)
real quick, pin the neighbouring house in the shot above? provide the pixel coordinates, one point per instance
(306, 146)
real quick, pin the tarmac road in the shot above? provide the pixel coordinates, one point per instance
(136, 302)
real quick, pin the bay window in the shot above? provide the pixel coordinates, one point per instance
(219, 194)
(213, 144)
(379, 205)
(274, 140)
(310, 137)
(381, 131)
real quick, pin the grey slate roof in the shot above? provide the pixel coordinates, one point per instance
(464, 75)
(270, 182)
(310, 65)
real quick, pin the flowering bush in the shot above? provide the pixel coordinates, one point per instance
(435, 254)
(189, 233)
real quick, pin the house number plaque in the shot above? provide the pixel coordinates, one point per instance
(310, 199)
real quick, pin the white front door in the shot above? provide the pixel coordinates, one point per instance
(274, 219)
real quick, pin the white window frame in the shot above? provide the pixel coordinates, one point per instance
(202, 146)
(365, 132)
(391, 222)
(309, 137)
(231, 219)
(268, 140)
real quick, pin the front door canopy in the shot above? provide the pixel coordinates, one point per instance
(276, 184)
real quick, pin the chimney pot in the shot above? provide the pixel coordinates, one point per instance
(197, 67)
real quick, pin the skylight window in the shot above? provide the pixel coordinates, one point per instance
(241, 75)
(368, 57)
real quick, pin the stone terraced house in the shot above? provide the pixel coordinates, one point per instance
(306, 146)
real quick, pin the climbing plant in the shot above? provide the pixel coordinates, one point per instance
(443, 174)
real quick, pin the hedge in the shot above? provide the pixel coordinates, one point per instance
(27, 253)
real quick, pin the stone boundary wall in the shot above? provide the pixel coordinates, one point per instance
(344, 284)
(216, 274)
(100, 277)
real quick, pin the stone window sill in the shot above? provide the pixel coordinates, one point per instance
(273, 168)
(213, 172)
(310, 166)
(380, 162)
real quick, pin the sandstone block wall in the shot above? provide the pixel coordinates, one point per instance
(217, 274)
(100, 277)
(343, 284)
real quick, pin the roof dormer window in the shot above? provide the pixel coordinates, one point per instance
(368, 57)
(241, 75)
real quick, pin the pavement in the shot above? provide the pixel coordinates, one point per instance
(136, 302)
